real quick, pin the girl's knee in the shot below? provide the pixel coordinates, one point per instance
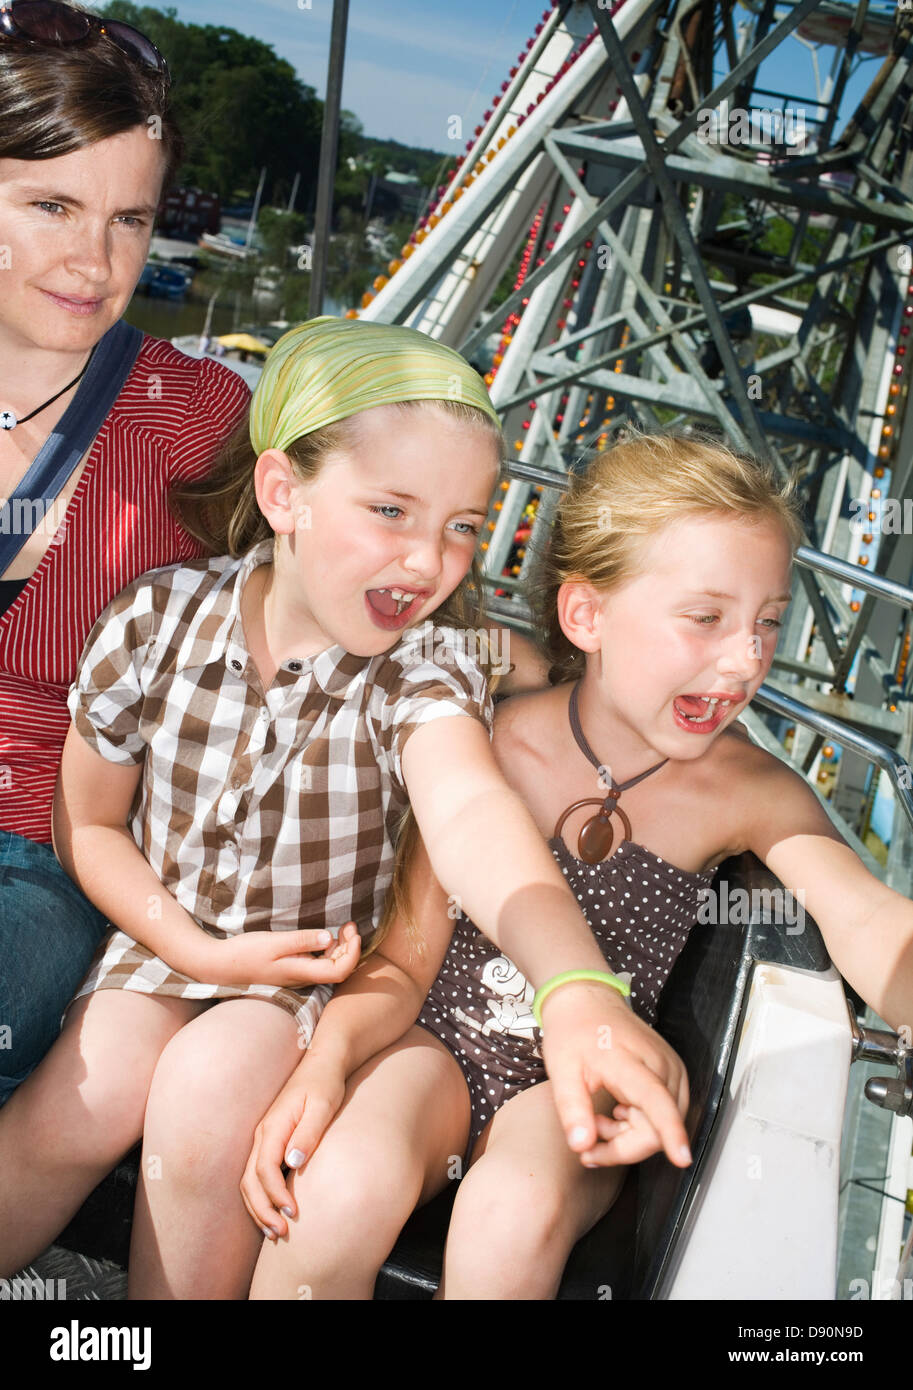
(516, 1207)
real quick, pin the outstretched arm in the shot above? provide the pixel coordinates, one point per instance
(494, 865)
(868, 928)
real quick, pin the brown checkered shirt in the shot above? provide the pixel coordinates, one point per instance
(257, 810)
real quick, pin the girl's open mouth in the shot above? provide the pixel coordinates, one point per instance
(393, 609)
(701, 714)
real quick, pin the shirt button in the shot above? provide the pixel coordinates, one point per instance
(294, 666)
(235, 665)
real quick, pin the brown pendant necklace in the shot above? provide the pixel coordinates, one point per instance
(596, 835)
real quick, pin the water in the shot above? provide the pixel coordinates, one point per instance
(170, 318)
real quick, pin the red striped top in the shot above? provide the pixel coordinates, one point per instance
(165, 425)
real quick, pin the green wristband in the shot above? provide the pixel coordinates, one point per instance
(601, 977)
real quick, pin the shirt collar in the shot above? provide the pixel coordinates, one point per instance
(216, 634)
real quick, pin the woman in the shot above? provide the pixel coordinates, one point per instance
(86, 148)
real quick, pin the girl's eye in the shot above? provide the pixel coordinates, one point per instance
(770, 622)
(385, 508)
(469, 529)
(704, 619)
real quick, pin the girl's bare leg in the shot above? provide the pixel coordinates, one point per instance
(79, 1111)
(192, 1237)
(524, 1203)
(390, 1148)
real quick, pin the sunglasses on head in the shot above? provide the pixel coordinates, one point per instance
(53, 22)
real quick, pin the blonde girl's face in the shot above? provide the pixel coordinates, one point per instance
(683, 647)
(388, 529)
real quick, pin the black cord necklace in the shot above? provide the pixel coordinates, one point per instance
(8, 418)
(596, 835)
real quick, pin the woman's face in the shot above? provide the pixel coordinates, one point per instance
(75, 235)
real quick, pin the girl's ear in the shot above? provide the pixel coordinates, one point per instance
(276, 487)
(580, 614)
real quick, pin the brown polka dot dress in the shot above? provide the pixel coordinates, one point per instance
(640, 908)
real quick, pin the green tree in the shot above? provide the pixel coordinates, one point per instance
(239, 106)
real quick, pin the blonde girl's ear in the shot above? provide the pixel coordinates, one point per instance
(580, 614)
(277, 489)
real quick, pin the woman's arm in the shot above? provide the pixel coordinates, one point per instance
(494, 865)
(92, 802)
(520, 662)
(868, 928)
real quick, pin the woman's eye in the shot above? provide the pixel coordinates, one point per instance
(385, 509)
(770, 622)
(704, 619)
(47, 206)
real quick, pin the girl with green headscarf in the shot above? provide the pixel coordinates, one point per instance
(262, 721)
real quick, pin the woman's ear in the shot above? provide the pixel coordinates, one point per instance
(580, 614)
(276, 488)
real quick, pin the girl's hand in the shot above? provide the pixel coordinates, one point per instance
(591, 1040)
(282, 958)
(627, 1137)
(289, 1133)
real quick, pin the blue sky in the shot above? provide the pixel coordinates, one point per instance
(412, 64)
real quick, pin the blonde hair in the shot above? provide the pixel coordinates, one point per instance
(626, 497)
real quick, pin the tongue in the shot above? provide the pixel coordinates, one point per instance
(690, 704)
(382, 603)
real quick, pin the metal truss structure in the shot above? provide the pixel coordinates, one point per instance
(689, 249)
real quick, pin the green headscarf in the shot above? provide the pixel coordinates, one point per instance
(328, 369)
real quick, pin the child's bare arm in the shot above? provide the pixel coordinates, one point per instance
(92, 802)
(491, 859)
(868, 928)
(368, 1013)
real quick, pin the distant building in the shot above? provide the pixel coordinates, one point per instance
(186, 213)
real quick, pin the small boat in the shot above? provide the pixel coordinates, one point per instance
(161, 281)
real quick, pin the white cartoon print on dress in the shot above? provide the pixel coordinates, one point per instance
(512, 1009)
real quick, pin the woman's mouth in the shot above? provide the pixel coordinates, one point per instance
(701, 714)
(74, 306)
(392, 609)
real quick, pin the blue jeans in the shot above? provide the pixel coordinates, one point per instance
(48, 934)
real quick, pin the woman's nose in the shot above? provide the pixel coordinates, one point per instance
(89, 252)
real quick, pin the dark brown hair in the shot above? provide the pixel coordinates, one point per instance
(54, 100)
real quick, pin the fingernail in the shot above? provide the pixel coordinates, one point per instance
(324, 938)
(296, 1159)
(591, 1165)
(286, 1211)
(684, 1154)
(269, 1232)
(578, 1135)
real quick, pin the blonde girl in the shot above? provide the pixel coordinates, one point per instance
(668, 574)
(246, 733)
